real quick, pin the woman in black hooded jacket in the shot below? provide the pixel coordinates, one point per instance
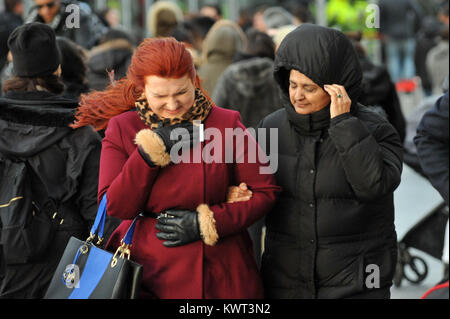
(63, 162)
(331, 233)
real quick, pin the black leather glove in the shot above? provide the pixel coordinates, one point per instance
(190, 137)
(178, 227)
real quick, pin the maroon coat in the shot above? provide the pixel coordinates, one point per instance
(196, 270)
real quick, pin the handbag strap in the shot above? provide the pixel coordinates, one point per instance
(99, 223)
(130, 232)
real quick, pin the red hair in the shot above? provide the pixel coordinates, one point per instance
(164, 57)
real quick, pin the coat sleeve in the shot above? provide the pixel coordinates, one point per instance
(433, 146)
(127, 179)
(372, 161)
(231, 218)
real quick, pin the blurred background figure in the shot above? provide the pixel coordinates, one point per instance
(437, 63)
(379, 91)
(110, 17)
(109, 60)
(10, 19)
(275, 18)
(163, 17)
(211, 10)
(427, 38)
(248, 85)
(199, 27)
(54, 14)
(222, 42)
(73, 68)
(399, 23)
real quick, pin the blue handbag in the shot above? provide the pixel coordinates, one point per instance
(88, 272)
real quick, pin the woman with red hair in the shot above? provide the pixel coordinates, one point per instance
(191, 242)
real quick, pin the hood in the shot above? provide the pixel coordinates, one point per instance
(323, 54)
(162, 17)
(250, 76)
(110, 55)
(32, 121)
(225, 38)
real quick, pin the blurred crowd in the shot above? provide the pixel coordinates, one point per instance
(237, 56)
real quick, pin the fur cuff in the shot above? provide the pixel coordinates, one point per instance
(153, 146)
(207, 225)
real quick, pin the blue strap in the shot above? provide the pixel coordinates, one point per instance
(129, 234)
(96, 265)
(99, 223)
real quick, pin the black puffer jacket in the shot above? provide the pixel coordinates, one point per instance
(34, 125)
(336, 213)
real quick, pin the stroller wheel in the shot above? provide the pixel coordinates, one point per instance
(417, 266)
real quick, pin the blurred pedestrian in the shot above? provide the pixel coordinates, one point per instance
(10, 19)
(162, 18)
(109, 61)
(60, 17)
(275, 18)
(339, 164)
(432, 142)
(248, 85)
(73, 68)
(378, 90)
(427, 38)
(399, 23)
(190, 241)
(437, 61)
(34, 121)
(211, 10)
(222, 43)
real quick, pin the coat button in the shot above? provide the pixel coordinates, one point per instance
(311, 171)
(311, 205)
(312, 241)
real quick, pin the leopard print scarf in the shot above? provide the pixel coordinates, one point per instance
(199, 111)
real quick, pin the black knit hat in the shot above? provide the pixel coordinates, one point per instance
(34, 50)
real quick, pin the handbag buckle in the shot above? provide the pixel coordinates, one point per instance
(124, 251)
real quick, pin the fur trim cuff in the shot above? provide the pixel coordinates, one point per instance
(153, 146)
(207, 225)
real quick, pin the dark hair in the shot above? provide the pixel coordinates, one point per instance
(11, 4)
(52, 83)
(73, 61)
(260, 44)
(181, 34)
(215, 7)
(203, 24)
(115, 34)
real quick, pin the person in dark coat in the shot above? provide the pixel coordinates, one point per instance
(61, 16)
(10, 19)
(379, 92)
(73, 68)
(331, 233)
(432, 142)
(427, 38)
(34, 121)
(113, 54)
(248, 85)
(399, 23)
